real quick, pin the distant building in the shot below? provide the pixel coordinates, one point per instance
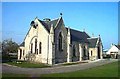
(104, 53)
(114, 51)
(49, 41)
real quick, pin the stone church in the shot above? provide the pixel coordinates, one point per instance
(49, 41)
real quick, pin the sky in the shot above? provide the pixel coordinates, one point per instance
(59, 0)
(93, 17)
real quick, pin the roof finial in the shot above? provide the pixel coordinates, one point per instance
(36, 17)
(99, 35)
(112, 44)
(61, 14)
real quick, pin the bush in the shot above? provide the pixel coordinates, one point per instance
(107, 57)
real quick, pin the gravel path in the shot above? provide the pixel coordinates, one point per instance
(56, 69)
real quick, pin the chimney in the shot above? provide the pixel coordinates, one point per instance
(46, 20)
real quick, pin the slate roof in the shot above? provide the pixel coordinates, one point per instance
(22, 44)
(54, 22)
(47, 25)
(79, 36)
(118, 46)
(75, 35)
(92, 42)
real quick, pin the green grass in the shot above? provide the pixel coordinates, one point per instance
(14, 75)
(28, 64)
(108, 70)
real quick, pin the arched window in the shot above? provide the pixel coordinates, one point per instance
(40, 47)
(35, 46)
(84, 51)
(31, 47)
(60, 42)
(74, 51)
(20, 53)
(91, 53)
(98, 48)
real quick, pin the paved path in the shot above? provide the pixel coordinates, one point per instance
(56, 69)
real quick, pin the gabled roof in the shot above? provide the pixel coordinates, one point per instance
(54, 22)
(75, 35)
(22, 44)
(47, 25)
(79, 36)
(118, 46)
(92, 42)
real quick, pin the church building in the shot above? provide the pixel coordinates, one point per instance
(51, 42)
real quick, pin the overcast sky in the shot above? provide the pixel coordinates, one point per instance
(95, 17)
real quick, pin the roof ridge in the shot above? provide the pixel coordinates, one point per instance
(58, 21)
(76, 30)
(44, 24)
(117, 46)
(54, 19)
(73, 29)
(92, 38)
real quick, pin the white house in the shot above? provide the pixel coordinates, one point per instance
(49, 41)
(114, 51)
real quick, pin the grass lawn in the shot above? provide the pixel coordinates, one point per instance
(14, 75)
(108, 70)
(24, 64)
